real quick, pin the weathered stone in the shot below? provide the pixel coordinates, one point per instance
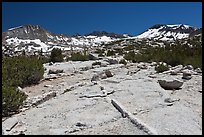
(169, 85)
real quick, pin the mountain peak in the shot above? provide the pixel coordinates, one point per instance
(168, 32)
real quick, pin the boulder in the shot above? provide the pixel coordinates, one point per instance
(169, 85)
(108, 73)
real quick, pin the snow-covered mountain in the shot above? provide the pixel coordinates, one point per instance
(168, 32)
(33, 38)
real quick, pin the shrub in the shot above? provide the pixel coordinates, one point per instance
(161, 68)
(78, 57)
(123, 61)
(18, 71)
(12, 99)
(56, 55)
(110, 53)
(173, 54)
(22, 70)
(130, 55)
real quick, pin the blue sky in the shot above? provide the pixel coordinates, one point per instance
(84, 17)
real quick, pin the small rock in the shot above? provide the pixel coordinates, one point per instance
(48, 86)
(51, 63)
(170, 104)
(198, 70)
(187, 74)
(189, 67)
(85, 68)
(102, 88)
(52, 71)
(103, 76)
(78, 124)
(152, 76)
(95, 78)
(112, 61)
(168, 100)
(142, 65)
(96, 66)
(174, 72)
(104, 64)
(108, 73)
